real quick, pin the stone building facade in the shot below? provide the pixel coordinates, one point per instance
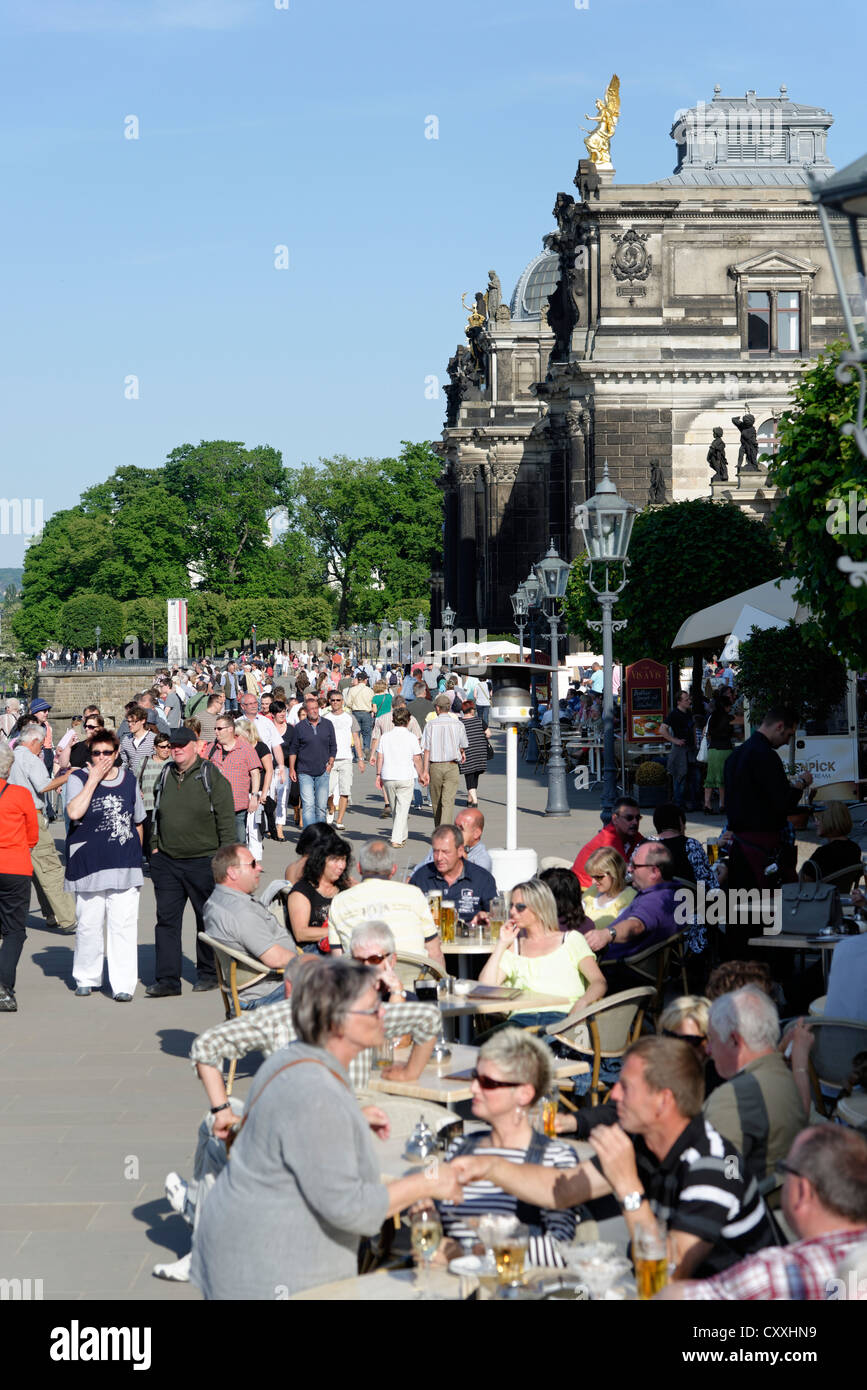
(654, 313)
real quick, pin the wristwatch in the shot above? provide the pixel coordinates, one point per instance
(612, 932)
(215, 1109)
(632, 1201)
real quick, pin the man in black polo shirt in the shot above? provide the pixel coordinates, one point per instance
(466, 885)
(662, 1160)
(759, 800)
(679, 729)
(312, 750)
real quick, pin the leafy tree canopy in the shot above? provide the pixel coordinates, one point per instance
(82, 613)
(683, 557)
(822, 513)
(790, 666)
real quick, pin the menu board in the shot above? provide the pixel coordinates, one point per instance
(646, 696)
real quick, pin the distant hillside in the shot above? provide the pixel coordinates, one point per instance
(8, 577)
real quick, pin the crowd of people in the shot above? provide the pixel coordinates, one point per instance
(707, 1122)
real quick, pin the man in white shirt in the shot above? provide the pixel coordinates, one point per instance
(397, 757)
(380, 897)
(348, 736)
(267, 731)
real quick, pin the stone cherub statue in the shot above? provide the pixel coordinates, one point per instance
(598, 140)
(716, 456)
(749, 449)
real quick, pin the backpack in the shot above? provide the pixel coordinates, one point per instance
(203, 775)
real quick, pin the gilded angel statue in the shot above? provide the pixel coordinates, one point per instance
(598, 141)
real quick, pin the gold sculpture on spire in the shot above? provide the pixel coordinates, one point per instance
(598, 140)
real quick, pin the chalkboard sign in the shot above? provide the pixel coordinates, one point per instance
(647, 700)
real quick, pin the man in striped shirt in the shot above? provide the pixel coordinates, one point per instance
(825, 1203)
(443, 744)
(661, 1161)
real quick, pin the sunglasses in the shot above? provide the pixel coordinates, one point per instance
(621, 815)
(96, 726)
(597, 878)
(488, 1083)
(519, 907)
(781, 1166)
(370, 960)
(696, 1039)
(367, 1013)
(102, 752)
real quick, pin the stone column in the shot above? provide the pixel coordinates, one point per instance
(465, 471)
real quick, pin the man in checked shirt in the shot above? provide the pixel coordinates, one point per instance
(266, 1030)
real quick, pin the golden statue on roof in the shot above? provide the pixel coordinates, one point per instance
(598, 140)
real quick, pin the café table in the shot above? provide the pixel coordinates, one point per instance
(593, 748)
(462, 950)
(439, 1083)
(782, 942)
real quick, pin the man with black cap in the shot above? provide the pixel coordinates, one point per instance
(194, 814)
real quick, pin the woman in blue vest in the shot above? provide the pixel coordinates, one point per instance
(104, 868)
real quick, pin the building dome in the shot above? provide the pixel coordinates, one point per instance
(535, 284)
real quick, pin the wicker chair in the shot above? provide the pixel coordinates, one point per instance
(613, 1024)
(235, 970)
(653, 966)
(835, 1043)
(410, 966)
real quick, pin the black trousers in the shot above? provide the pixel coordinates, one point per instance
(176, 882)
(14, 906)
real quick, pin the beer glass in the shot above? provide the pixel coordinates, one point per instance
(496, 916)
(712, 848)
(650, 1257)
(547, 1112)
(448, 915)
(435, 902)
(383, 1054)
(426, 1232)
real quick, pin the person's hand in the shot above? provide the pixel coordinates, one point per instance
(390, 979)
(806, 779)
(378, 782)
(224, 1122)
(613, 1148)
(293, 776)
(802, 1039)
(597, 939)
(473, 1168)
(445, 1182)
(481, 919)
(424, 779)
(564, 1123)
(509, 932)
(361, 764)
(398, 1071)
(858, 898)
(378, 1120)
(98, 771)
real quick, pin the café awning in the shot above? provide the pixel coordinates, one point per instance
(709, 627)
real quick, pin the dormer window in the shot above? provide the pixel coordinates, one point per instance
(773, 302)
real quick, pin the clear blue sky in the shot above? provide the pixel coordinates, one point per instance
(305, 127)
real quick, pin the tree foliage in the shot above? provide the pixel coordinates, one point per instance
(790, 666)
(683, 557)
(82, 613)
(817, 468)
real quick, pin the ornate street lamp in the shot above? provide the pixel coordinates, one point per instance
(532, 588)
(449, 616)
(520, 608)
(553, 576)
(605, 522)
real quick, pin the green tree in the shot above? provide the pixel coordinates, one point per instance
(72, 548)
(36, 625)
(229, 494)
(146, 619)
(817, 470)
(149, 548)
(683, 557)
(790, 665)
(309, 617)
(207, 620)
(82, 613)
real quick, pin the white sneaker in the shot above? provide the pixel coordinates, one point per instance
(179, 1271)
(329, 817)
(176, 1192)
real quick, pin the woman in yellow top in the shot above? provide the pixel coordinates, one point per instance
(533, 954)
(610, 894)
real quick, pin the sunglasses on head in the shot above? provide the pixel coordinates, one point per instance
(696, 1039)
(488, 1083)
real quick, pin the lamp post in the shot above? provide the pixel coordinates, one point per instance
(845, 195)
(98, 632)
(520, 606)
(448, 626)
(605, 522)
(532, 588)
(553, 576)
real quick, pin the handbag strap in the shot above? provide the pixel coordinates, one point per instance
(299, 1062)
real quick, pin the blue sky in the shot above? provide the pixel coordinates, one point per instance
(304, 127)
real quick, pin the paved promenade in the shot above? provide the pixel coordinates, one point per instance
(98, 1100)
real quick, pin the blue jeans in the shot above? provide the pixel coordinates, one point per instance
(277, 995)
(365, 727)
(314, 797)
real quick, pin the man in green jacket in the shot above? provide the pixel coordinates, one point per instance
(194, 814)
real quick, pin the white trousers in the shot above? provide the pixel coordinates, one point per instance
(399, 799)
(112, 916)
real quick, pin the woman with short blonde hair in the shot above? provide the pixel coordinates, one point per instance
(610, 893)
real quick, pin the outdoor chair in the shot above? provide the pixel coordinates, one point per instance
(836, 1041)
(613, 1023)
(274, 897)
(652, 966)
(235, 970)
(409, 967)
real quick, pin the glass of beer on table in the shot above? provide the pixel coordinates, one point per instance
(448, 915)
(496, 916)
(435, 902)
(650, 1257)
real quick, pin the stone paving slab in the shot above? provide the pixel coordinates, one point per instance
(86, 1083)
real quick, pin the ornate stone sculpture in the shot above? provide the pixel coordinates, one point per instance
(749, 449)
(656, 491)
(494, 296)
(716, 456)
(475, 332)
(563, 311)
(459, 373)
(598, 141)
(631, 261)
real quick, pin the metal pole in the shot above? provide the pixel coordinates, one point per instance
(609, 771)
(558, 801)
(521, 638)
(512, 787)
(533, 698)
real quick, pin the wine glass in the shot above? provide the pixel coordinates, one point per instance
(426, 1233)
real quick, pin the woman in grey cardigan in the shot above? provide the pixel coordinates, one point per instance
(303, 1183)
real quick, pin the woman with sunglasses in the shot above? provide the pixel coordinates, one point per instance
(104, 869)
(512, 1072)
(535, 955)
(610, 893)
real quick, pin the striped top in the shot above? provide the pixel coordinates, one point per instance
(485, 1198)
(477, 744)
(148, 776)
(443, 738)
(701, 1187)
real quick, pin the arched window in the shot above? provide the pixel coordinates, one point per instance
(769, 441)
